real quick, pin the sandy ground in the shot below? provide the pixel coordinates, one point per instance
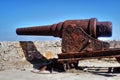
(95, 70)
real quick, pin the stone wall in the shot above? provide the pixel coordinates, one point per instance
(13, 55)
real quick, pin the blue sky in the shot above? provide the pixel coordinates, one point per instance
(24, 13)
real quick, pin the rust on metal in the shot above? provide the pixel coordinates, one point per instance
(89, 55)
(90, 26)
(79, 38)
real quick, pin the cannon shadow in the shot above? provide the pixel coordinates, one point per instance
(102, 71)
(32, 55)
(38, 61)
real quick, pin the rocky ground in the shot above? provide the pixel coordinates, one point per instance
(91, 70)
(14, 64)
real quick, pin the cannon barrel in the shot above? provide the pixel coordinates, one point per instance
(49, 30)
(90, 26)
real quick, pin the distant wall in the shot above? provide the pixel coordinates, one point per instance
(114, 44)
(13, 55)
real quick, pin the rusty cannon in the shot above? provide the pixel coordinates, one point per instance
(79, 39)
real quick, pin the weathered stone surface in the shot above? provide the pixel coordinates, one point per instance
(13, 55)
(114, 44)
